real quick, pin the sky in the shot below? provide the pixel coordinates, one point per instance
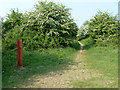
(81, 10)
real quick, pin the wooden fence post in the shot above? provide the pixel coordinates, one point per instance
(19, 53)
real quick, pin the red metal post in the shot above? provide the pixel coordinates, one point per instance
(19, 53)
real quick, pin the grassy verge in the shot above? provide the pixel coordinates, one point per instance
(37, 62)
(102, 60)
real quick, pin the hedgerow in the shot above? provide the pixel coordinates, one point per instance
(48, 25)
(102, 29)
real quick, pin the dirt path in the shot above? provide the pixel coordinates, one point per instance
(82, 45)
(64, 79)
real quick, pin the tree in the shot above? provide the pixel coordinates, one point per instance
(86, 22)
(49, 25)
(0, 26)
(103, 27)
(1, 21)
(83, 31)
(13, 19)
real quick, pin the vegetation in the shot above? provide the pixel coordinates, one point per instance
(49, 25)
(37, 62)
(0, 28)
(102, 29)
(0, 54)
(99, 35)
(12, 20)
(50, 42)
(83, 32)
(103, 60)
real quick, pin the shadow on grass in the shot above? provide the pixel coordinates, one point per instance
(34, 64)
(75, 45)
(88, 46)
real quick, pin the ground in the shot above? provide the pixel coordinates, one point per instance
(76, 72)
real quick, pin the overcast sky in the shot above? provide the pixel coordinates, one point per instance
(82, 10)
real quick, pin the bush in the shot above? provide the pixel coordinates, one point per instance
(12, 20)
(49, 25)
(103, 28)
(82, 32)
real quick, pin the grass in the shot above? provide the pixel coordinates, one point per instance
(98, 60)
(102, 60)
(37, 62)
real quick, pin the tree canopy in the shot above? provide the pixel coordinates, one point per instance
(49, 25)
(103, 27)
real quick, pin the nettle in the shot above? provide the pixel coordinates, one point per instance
(48, 25)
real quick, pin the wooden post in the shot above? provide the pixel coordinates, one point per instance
(19, 53)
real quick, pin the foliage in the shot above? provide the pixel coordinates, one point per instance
(13, 19)
(49, 25)
(103, 28)
(0, 34)
(0, 26)
(74, 44)
(82, 32)
(86, 22)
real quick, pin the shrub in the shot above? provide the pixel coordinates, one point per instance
(103, 28)
(82, 32)
(49, 25)
(12, 20)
